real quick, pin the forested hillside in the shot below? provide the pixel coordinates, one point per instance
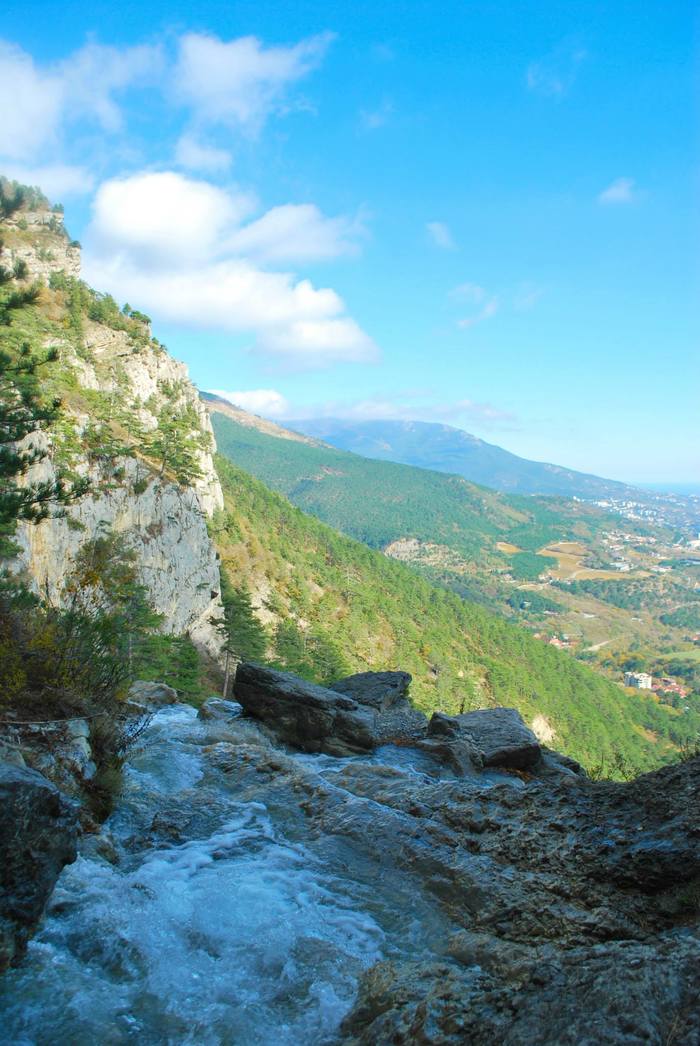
(326, 605)
(447, 449)
(379, 502)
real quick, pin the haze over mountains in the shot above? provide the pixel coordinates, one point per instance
(446, 449)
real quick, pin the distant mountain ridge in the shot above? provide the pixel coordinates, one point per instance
(443, 448)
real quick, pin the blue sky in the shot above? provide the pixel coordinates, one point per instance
(476, 213)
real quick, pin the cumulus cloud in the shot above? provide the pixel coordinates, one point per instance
(238, 83)
(440, 235)
(176, 245)
(37, 102)
(196, 156)
(95, 73)
(241, 82)
(268, 402)
(297, 232)
(57, 180)
(45, 98)
(163, 218)
(622, 190)
(553, 76)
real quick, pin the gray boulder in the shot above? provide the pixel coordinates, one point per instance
(309, 717)
(381, 690)
(488, 737)
(152, 695)
(38, 833)
(396, 720)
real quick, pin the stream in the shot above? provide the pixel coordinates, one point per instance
(212, 914)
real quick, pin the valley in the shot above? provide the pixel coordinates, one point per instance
(616, 594)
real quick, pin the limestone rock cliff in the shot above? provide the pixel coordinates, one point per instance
(120, 388)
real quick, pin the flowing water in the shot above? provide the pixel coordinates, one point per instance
(219, 917)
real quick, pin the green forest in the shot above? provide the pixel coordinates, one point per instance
(378, 502)
(332, 606)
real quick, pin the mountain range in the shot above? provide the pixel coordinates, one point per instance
(446, 449)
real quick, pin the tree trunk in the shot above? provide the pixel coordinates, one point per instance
(227, 673)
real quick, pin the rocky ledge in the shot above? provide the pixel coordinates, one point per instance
(361, 712)
(576, 902)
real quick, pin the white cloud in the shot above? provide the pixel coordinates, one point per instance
(241, 82)
(32, 118)
(195, 156)
(268, 402)
(622, 190)
(57, 180)
(554, 75)
(92, 75)
(440, 235)
(407, 408)
(163, 218)
(296, 232)
(45, 98)
(170, 243)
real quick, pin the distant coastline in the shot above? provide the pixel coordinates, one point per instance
(688, 489)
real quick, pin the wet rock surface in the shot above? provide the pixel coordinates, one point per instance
(38, 832)
(580, 903)
(375, 898)
(612, 993)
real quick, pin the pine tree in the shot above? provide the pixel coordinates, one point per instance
(245, 638)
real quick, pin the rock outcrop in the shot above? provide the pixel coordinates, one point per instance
(363, 711)
(574, 905)
(148, 695)
(579, 903)
(304, 715)
(38, 832)
(486, 737)
(381, 690)
(163, 520)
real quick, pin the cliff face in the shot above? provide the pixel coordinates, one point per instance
(119, 388)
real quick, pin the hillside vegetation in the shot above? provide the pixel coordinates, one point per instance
(326, 605)
(379, 502)
(551, 563)
(447, 449)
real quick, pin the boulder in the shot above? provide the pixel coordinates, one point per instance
(489, 737)
(309, 717)
(38, 833)
(380, 690)
(152, 695)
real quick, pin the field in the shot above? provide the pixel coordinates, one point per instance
(570, 556)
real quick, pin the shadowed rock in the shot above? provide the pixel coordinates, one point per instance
(38, 832)
(488, 737)
(381, 690)
(302, 714)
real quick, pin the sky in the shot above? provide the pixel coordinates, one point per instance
(482, 214)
